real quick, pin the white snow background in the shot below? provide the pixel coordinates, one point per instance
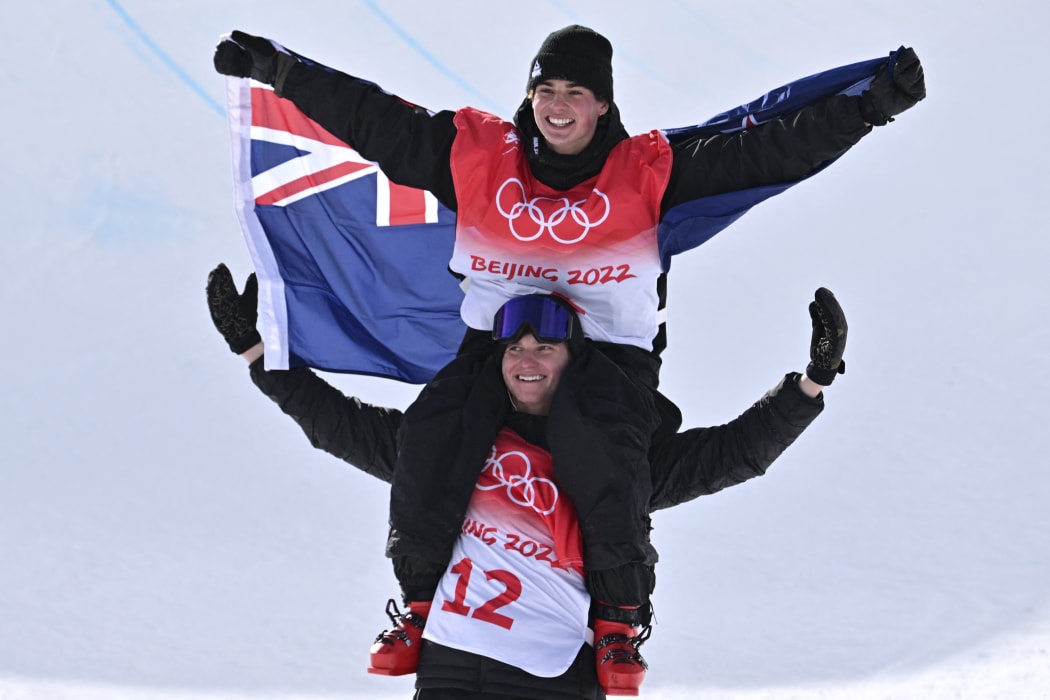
(167, 534)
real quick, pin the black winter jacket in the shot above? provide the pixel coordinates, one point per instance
(413, 146)
(684, 466)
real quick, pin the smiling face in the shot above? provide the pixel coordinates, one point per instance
(566, 114)
(531, 370)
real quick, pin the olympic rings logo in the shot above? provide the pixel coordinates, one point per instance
(522, 488)
(546, 214)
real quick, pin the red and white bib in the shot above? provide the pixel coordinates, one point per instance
(514, 590)
(595, 244)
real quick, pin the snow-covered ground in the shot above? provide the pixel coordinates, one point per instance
(167, 534)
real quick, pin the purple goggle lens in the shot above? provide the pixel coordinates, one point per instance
(549, 320)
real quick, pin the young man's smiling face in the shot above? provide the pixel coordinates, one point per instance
(566, 114)
(531, 371)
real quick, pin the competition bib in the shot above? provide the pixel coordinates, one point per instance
(595, 244)
(514, 590)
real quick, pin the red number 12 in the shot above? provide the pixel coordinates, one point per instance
(487, 612)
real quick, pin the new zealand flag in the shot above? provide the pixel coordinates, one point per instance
(353, 268)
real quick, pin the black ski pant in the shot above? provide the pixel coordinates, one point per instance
(450, 674)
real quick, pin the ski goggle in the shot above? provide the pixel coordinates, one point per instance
(547, 319)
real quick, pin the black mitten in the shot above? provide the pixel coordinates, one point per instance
(246, 56)
(897, 86)
(233, 314)
(829, 338)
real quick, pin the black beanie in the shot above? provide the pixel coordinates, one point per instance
(579, 55)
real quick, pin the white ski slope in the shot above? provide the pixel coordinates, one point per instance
(167, 534)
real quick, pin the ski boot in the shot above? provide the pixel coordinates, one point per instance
(621, 669)
(396, 651)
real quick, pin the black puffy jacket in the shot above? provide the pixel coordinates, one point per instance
(412, 145)
(605, 421)
(684, 465)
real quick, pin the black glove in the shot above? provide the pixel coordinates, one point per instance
(232, 313)
(897, 86)
(829, 338)
(247, 56)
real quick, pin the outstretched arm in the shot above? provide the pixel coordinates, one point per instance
(343, 426)
(411, 144)
(702, 461)
(786, 149)
(358, 433)
(778, 151)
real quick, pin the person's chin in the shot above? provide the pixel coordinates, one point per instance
(557, 137)
(531, 394)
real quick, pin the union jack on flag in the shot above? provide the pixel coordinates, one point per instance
(353, 269)
(321, 162)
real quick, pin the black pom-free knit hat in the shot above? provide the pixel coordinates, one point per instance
(577, 54)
